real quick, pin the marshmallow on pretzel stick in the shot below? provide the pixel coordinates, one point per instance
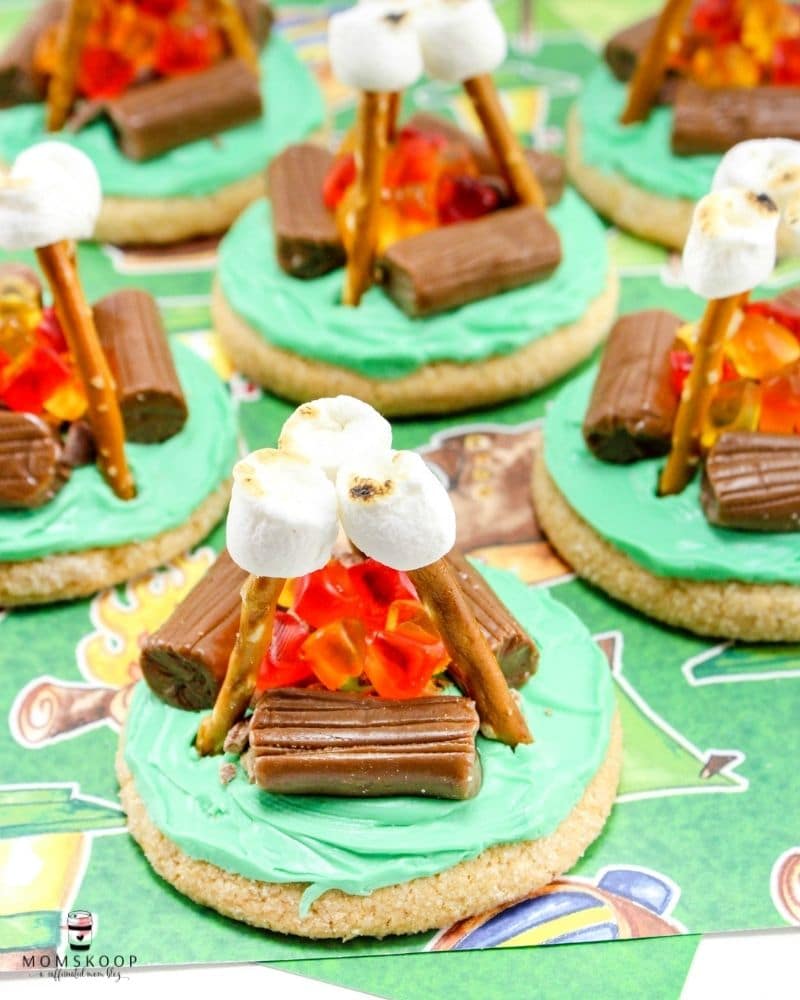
(282, 523)
(464, 42)
(374, 48)
(731, 248)
(394, 509)
(52, 196)
(651, 68)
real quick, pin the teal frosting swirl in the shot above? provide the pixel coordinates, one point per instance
(378, 339)
(358, 845)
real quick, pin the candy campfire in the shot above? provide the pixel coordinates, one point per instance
(377, 627)
(731, 68)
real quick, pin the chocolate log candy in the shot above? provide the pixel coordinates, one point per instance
(633, 404)
(549, 169)
(134, 342)
(338, 743)
(752, 482)
(258, 18)
(712, 120)
(20, 83)
(31, 466)
(155, 117)
(185, 661)
(452, 265)
(516, 652)
(307, 240)
(622, 50)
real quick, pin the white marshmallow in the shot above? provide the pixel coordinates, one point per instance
(461, 39)
(374, 46)
(282, 519)
(331, 431)
(731, 246)
(750, 164)
(52, 193)
(395, 510)
(789, 231)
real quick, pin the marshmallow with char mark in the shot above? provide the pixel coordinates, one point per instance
(461, 39)
(374, 47)
(731, 246)
(282, 520)
(51, 194)
(395, 510)
(335, 430)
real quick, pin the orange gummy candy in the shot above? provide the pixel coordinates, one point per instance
(336, 652)
(780, 403)
(761, 347)
(736, 406)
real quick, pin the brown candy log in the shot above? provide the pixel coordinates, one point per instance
(156, 117)
(712, 120)
(185, 661)
(19, 81)
(752, 482)
(549, 169)
(135, 344)
(633, 405)
(515, 651)
(450, 266)
(336, 743)
(307, 240)
(624, 49)
(31, 466)
(258, 17)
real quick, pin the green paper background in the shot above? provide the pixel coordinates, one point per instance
(714, 837)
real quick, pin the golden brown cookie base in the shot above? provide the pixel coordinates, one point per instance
(444, 387)
(67, 575)
(499, 875)
(652, 216)
(755, 612)
(126, 221)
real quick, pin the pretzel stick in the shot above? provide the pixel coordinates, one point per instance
(651, 67)
(504, 144)
(474, 666)
(362, 220)
(697, 393)
(75, 315)
(235, 30)
(259, 602)
(64, 81)
(395, 107)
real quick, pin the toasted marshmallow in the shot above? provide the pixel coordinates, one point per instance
(282, 520)
(789, 231)
(331, 431)
(374, 46)
(731, 246)
(751, 164)
(461, 39)
(52, 193)
(395, 510)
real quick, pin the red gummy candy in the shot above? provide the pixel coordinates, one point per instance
(377, 588)
(283, 666)
(336, 652)
(338, 179)
(326, 596)
(680, 364)
(460, 199)
(718, 20)
(30, 388)
(160, 8)
(187, 50)
(780, 403)
(414, 160)
(398, 665)
(50, 332)
(104, 73)
(786, 62)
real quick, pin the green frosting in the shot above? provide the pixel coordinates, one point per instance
(378, 339)
(172, 479)
(293, 108)
(358, 845)
(642, 152)
(669, 536)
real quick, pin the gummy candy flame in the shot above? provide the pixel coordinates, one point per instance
(135, 40)
(359, 627)
(760, 385)
(428, 181)
(741, 43)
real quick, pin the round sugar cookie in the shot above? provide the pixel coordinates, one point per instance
(86, 538)
(293, 336)
(346, 867)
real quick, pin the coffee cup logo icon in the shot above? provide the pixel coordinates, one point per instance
(80, 924)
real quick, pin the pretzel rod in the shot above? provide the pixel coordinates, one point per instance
(235, 30)
(651, 67)
(697, 393)
(63, 83)
(395, 107)
(362, 221)
(504, 144)
(259, 602)
(75, 315)
(474, 666)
